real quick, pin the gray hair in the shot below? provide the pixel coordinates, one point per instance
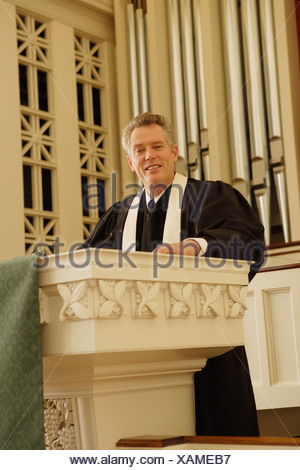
(147, 119)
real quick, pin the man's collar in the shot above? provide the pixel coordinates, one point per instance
(148, 196)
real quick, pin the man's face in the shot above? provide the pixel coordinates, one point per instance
(151, 157)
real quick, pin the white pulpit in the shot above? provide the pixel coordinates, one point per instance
(123, 334)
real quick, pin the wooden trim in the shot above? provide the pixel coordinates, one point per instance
(245, 441)
(283, 253)
(283, 245)
(165, 441)
(151, 441)
(280, 268)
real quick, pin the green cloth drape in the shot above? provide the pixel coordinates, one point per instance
(21, 379)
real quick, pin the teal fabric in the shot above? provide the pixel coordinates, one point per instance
(21, 378)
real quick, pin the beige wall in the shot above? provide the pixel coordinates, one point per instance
(66, 18)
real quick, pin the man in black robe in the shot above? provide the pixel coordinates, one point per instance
(179, 215)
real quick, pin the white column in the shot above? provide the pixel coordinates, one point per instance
(66, 133)
(114, 185)
(217, 116)
(123, 82)
(158, 58)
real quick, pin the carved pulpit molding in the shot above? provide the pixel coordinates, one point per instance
(123, 329)
(90, 299)
(108, 285)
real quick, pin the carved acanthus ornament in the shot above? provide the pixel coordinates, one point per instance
(75, 300)
(145, 298)
(43, 307)
(236, 301)
(92, 299)
(107, 299)
(110, 300)
(208, 307)
(59, 425)
(180, 298)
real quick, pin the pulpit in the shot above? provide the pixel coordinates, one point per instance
(123, 334)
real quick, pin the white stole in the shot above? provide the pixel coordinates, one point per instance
(172, 226)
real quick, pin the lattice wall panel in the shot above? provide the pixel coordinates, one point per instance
(37, 131)
(90, 76)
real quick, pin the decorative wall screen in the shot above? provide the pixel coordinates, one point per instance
(90, 76)
(38, 150)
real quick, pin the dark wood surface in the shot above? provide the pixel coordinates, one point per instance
(280, 268)
(245, 441)
(165, 441)
(151, 441)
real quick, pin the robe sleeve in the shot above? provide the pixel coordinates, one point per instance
(223, 217)
(109, 228)
(103, 233)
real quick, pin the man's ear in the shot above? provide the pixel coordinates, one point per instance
(130, 163)
(175, 152)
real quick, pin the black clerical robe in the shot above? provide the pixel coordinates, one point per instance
(212, 210)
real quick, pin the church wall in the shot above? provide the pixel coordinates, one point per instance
(54, 153)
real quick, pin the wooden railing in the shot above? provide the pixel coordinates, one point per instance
(202, 442)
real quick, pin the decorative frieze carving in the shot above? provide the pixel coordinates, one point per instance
(208, 306)
(236, 301)
(108, 299)
(92, 299)
(180, 300)
(75, 300)
(43, 307)
(59, 424)
(146, 300)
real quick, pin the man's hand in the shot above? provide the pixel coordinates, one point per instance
(187, 247)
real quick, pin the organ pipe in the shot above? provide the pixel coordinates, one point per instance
(273, 110)
(256, 113)
(235, 99)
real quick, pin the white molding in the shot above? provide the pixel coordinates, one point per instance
(272, 339)
(107, 298)
(81, 15)
(103, 6)
(43, 307)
